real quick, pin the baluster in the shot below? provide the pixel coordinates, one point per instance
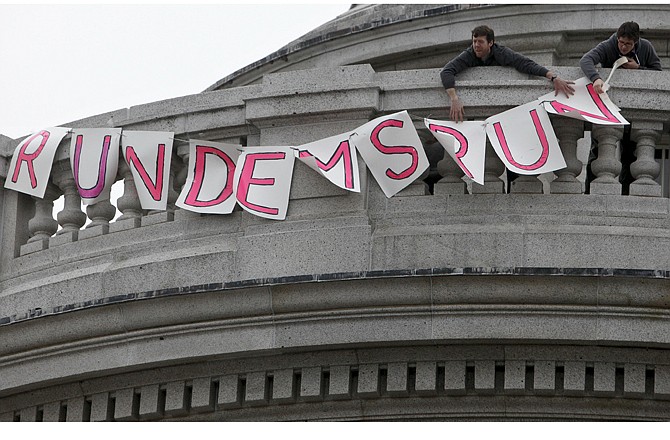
(42, 226)
(71, 218)
(568, 131)
(525, 184)
(493, 169)
(607, 166)
(645, 169)
(417, 187)
(452, 180)
(128, 203)
(155, 216)
(100, 213)
(168, 213)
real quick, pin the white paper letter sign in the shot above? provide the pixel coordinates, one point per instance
(465, 142)
(94, 157)
(524, 139)
(148, 155)
(585, 105)
(263, 180)
(335, 159)
(392, 150)
(209, 183)
(31, 163)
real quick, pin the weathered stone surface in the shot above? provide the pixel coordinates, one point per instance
(228, 391)
(545, 377)
(485, 376)
(201, 397)
(174, 398)
(340, 380)
(363, 299)
(454, 377)
(397, 378)
(426, 378)
(282, 385)
(99, 407)
(575, 377)
(368, 380)
(256, 388)
(310, 383)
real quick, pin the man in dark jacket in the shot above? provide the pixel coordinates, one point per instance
(485, 52)
(625, 42)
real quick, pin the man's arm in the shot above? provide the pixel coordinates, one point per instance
(605, 54)
(523, 64)
(595, 56)
(507, 57)
(448, 74)
(448, 77)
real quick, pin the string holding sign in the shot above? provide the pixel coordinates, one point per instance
(259, 178)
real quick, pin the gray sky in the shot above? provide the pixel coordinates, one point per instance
(60, 63)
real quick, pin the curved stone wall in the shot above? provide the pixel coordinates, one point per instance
(446, 301)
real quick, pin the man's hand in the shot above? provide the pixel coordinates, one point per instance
(456, 112)
(598, 86)
(563, 87)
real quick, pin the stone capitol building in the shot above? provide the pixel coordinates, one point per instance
(450, 301)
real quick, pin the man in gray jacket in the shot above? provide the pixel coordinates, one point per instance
(484, 51)
(625, 42)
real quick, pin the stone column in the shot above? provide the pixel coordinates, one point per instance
(645, 169)
(607, 166)
(452, 180)
(42, 226)
(100, 213)
(128, 203)
(526, 184)
(493, 169)
(568, 131)
(71, 218)
(155, 216)
(416, 188)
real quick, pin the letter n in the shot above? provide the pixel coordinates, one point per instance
(202, 152)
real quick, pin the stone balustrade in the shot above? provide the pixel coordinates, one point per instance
(540, 298)
(214, 285)
(298, 107)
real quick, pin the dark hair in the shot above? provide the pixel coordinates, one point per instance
(481, 31)
(629, 29)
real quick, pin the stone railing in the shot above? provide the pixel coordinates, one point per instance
(86, 294)
(298, 107)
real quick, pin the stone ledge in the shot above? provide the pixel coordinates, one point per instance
(342, 276)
